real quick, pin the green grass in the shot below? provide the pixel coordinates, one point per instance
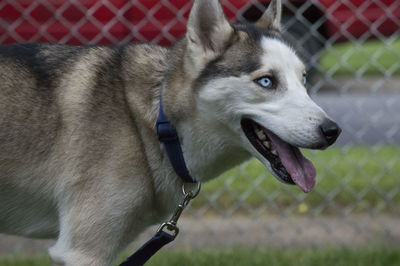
(376, 256)
(290, 257)
(362, 177)
(19, 260)
(369, 58)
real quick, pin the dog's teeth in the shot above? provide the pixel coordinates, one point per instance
(261, 135)
(266, 144)
(274, 152)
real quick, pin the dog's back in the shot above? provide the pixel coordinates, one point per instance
(27, 103)
(43, 88)
(63, 111)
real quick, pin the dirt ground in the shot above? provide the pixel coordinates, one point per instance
(278, 232)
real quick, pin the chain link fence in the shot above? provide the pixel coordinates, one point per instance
(352, 49)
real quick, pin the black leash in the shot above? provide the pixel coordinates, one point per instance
(142, 255)
(167, 231)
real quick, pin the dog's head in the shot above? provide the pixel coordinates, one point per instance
(247, 80)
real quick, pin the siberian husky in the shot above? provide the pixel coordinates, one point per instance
(79, 156)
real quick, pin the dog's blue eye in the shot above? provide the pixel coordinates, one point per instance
(304, 79)
(265, 82)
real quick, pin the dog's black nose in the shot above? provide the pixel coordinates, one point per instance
(330, 130)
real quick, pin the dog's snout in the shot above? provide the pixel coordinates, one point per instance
(330, 130)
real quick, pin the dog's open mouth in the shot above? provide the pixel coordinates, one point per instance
(285, 159)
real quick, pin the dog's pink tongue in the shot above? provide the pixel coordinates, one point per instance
(299, 167)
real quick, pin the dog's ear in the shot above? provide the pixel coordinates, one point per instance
(272, 16)
(208, 30)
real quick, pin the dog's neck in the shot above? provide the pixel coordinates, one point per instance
(207, 148)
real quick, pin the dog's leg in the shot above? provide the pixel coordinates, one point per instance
(79, 245)
(94, 230)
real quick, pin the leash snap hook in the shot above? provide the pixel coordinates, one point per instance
(171, 225)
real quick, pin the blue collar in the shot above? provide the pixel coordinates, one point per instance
(167, 134)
